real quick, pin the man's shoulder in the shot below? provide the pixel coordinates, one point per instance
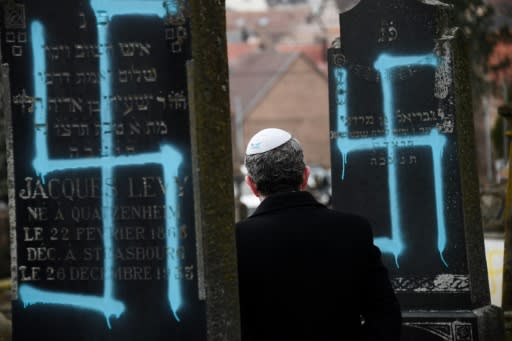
(346, 216)
(249, 221)
(320, 214)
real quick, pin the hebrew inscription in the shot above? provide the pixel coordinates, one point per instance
(394, 145)
(103, 186)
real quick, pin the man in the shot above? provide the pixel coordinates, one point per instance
(306, 272)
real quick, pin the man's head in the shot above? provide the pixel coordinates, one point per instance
(275, 163)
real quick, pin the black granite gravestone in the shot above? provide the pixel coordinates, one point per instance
(106, 243)
(402, 155)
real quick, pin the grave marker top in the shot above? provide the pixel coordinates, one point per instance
(107, 242)
(399, 129)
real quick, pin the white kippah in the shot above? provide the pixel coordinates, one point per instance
(267, 139)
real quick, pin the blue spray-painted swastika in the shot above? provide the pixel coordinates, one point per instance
(385, 65)
(168, 157)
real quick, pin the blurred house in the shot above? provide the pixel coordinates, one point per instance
(278, 78)
(246, 5)
(294, 23)
(283, 90)
(317, 53)
(267, 27)
(278, 72)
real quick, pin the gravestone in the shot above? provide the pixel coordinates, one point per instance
(110, 141)
(402, 154)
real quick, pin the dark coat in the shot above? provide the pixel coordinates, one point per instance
(310, 273)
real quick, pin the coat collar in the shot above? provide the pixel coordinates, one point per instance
(286, 200)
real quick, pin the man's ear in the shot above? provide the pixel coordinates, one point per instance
(305, 177)
(252, 186)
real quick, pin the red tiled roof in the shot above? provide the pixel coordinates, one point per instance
(315, 52)
(273, 20)
(252, 77)
(238, 50)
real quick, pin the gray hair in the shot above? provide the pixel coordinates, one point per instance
(278, 170)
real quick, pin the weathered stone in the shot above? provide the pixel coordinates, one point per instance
(121, 184)
(403, 155)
